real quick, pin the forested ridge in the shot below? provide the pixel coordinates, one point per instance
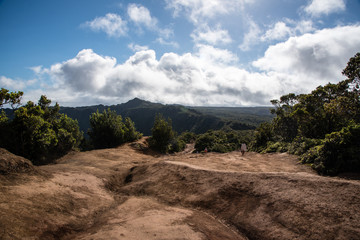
(323, 127)
(194, 119)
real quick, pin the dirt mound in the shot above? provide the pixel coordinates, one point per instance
(260, 205)
(11, 163)
(129, 193)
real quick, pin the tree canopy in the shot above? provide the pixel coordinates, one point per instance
(107, 129)
(39, 132)
(325, 123)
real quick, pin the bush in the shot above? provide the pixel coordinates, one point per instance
(187, 137)
(162, 134)
(221, 141)
(108, 130)
(339, 152)
(177, 145)
(276, 147)
(39, 132)
(301, 145)
(262, 136)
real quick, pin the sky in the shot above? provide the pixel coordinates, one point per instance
(189, 52)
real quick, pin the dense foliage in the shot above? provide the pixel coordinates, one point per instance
(162, 134)
(38, 132)
(194, 119)
(107, 129)
(322, 126)
(222, 141)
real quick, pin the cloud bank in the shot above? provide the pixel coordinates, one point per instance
(209, 76)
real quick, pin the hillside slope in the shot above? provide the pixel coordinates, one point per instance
(195, 119)
(125, 193)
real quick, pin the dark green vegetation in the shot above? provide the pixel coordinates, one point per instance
(193, 119)
(223, 141)
(37, 131)
(322, 126)
(162, 134)
(43, 133)
(107, 130)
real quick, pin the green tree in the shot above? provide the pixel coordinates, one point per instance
(322, 125)
(107, 129)
(130, 131)
(12, 98)
(162, 134)
(339, 152)
(40, 133)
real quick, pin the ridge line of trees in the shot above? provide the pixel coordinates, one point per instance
(323, 127)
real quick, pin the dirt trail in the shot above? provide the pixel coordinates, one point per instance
(126, 193)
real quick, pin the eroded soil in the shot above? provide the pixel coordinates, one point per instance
(126, 193)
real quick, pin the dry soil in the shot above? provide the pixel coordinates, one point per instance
(131, 193)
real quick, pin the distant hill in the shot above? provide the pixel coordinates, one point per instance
(195, 119)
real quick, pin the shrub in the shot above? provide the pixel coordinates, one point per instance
(177, 145)
(108, 129)
(301, 145)
(339, 152)
(276, 147)
(187, 137)
(262, 136)
(40, 133)
(221, 141)
(162, 134)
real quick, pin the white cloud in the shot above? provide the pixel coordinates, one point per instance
(203, 78)
(136, 47)
(141, 15)
(16, 84)
(216, 36)
(320, 7)
(112, 24)
(86, 72)
(284, 29)
(37, 69)
(315, 58)
(278, 32)
(209, 76)
(198, 10)
(251, 37)
(215, 55)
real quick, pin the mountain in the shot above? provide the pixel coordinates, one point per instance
(195, 119)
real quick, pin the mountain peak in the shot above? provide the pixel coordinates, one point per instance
(137, 102)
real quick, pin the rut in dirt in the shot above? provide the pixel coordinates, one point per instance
(258, 205)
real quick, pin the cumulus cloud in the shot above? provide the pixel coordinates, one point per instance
(112, 24)
(284, 29)
(141, 15)
(216, 36)
(215, 55)
(317, 8)
(204, 78)
(198, 10)
(317, 58)
(210, 75)
(86, 72)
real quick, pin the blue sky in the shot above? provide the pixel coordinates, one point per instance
(191, 52)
